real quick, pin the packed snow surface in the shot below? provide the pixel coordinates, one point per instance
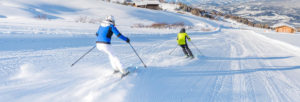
(231, 64)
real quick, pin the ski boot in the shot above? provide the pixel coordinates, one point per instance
(187, 56)
(116, 71)
(125, 74)
(192, 57)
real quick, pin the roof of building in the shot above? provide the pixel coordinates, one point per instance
(146, 2)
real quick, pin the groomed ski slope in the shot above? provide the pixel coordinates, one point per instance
(236, 65)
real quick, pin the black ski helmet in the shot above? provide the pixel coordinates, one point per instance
(182, 30)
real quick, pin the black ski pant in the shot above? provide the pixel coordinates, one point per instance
(186, 50)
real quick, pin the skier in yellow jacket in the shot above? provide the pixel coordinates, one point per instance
(181, 40)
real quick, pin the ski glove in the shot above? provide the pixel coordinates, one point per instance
(189, 39)
(96, 34)
(128, 41)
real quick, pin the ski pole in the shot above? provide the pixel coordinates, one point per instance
(197, 48)
(173, 50)
(137, 55)
(83, 56)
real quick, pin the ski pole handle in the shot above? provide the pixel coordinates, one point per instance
(137, 55)
(83, 56)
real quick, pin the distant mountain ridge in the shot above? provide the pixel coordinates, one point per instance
(264, 11)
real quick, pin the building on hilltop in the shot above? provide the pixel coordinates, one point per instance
(282, 27)
(148, 4)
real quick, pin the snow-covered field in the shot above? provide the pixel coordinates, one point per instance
(233, 65)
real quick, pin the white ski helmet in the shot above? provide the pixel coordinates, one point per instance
(110, 18)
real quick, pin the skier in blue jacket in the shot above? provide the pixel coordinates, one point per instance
(104, 34)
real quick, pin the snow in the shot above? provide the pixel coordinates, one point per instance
(239, 63)
(146, 2)
(169, 7)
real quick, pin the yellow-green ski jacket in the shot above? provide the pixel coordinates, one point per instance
(181, 38)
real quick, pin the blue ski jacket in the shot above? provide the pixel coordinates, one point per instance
(105, 32)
